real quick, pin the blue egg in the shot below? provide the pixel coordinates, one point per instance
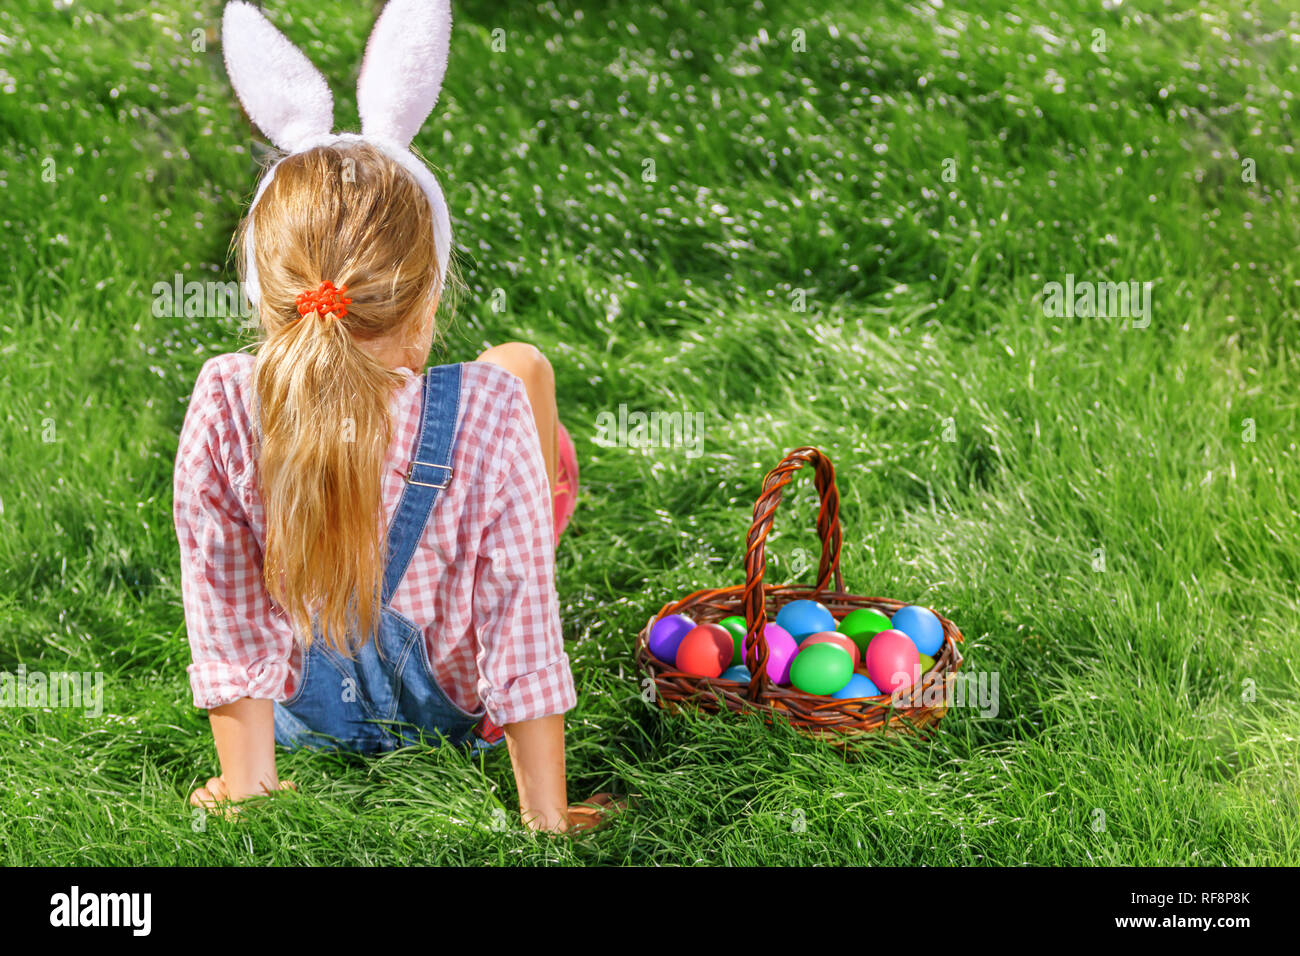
(859, 685)
(921, 625)
(738, 673)
(801, 618)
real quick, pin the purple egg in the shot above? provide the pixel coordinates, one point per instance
(666, 634)
(781, 649)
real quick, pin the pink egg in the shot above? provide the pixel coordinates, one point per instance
(893, 662)
(836, 638)
(781, 649)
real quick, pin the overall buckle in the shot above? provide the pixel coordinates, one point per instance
(425, 484)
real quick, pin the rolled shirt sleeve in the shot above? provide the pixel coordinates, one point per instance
(240, 646)
(523, 670)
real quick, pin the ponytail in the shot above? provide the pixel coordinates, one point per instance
(325, 430)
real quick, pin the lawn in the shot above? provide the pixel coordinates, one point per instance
(807, 223)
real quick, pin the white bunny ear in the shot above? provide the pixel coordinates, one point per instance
(406, 59)
(283, 93)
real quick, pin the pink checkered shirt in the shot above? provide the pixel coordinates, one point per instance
(481, 584)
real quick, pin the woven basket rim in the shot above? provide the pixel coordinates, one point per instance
(725, 601)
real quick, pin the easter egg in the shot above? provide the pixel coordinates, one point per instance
(835, 638)
(922, 626)
(739, 673)
(705, 651)
(862, 625)
(736, 627)
(781, 648)
(666, 634)
(892, 661)
(821, 668)
(858, 686)
(801, 618)
(927, 662)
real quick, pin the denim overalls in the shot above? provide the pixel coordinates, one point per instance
(385, 695)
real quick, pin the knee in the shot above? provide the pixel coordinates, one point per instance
(526, 362)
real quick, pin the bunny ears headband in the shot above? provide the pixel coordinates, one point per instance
(289, 100)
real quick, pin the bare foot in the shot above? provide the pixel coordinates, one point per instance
(595, 812)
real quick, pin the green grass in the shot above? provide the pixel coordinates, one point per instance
(1161, 690)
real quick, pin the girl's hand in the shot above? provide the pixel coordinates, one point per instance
(216, 795)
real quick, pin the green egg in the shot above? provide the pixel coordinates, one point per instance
(862, 625)
(821, 669)
(735, 626)
(927, 662)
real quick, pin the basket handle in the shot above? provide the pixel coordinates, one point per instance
(828, 529)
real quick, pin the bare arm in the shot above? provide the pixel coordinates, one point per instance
(244, 732)
(537, 752)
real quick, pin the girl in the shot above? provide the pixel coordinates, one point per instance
(366, 551)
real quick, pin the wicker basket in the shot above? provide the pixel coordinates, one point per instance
(821, 717)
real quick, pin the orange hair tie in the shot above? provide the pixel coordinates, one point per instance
(324, 300)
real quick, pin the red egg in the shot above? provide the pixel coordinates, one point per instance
(836, 638)
(705, 651)
(893, 662)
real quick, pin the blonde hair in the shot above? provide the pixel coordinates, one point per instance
(351, 216)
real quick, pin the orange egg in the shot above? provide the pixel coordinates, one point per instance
(705, 651)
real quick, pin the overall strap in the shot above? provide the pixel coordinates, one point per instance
(429, 473)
